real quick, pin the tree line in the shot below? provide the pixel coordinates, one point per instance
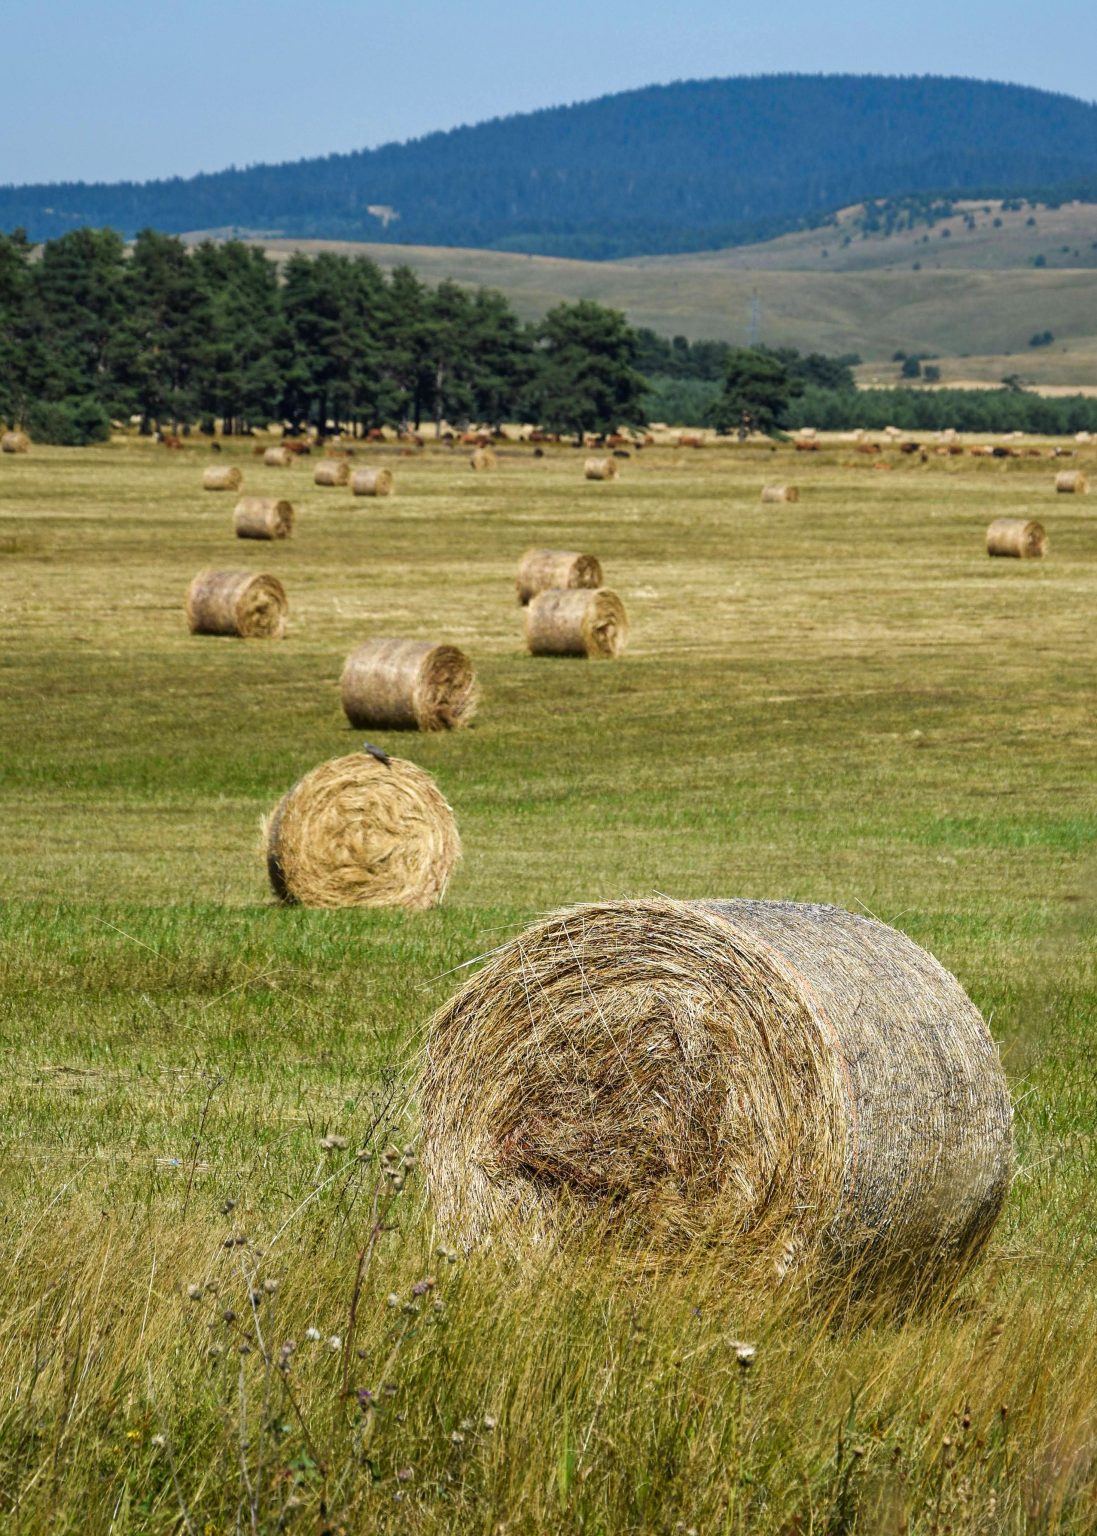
(91, 332)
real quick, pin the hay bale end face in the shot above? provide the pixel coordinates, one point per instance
(1071, 482)
(262, 517)
(779, 1081)
(482, 458)
(14, 442)
(221, 477)
(237, 603)
(540, 569)
(357, 832)
(372, 482)
(600, 469)
(331, 472)
(408, 685)
(278, 458)
(576, 623)
(1022, 538)
(779, 493)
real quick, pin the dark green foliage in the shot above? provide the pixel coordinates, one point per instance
(675, 167)
(587, 379)
(923, 410)
(758, 389)
(68, 423)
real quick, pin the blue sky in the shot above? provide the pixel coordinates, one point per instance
(124, 90)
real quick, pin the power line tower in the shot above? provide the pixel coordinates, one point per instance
(754, 325)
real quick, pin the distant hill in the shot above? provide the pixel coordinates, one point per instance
(685, 167)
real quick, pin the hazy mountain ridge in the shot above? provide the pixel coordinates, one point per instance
(689, 166)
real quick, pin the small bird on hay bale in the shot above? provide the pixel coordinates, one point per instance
(382, 757)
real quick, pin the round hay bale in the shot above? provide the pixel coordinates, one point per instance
(1017, 536)
(482, 458)
(14, 442)
(237, 603)
(262, 517)
(358, 832)
(331, 472)
(221, 477)
(569, 622)
(600, 469)
(775, 493)
(779, 1080)
(1071, 482)
(540, 569)
(408, 685)
(372, 482)
(278, 458)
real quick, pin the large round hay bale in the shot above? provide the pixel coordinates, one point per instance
(482, 458)
(1071, 482)
(359, 832)
(569, 622)
(408, 685)
(781, 1081)
(14, 442)
(600, 469)
(262, 517)
(331, 472)
(1021, 537)
(278, 458)
(540, 569)
(237, 603)
(776, 493)
(372, 482)
(221, 477)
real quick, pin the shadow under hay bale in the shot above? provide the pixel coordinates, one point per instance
(14, 442)
(600, 469)
(1022, 538)
(778, 493)
(789, 1083)
(221, 477)
(237, 603)
(541, 569)
(1071, 482)
(579, 622)
(278, 458)
(408, 685)
(262, 517)
(482, 458)
(331, 472)
(358, 832)
(372, 482)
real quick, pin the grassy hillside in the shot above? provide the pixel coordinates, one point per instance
(874, 313)
(216, 1314)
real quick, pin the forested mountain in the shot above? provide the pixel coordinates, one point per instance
(690, 166)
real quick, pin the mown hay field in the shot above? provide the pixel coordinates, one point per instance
(222, 1303)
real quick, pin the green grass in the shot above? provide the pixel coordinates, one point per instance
(948, 310)
(839, 700)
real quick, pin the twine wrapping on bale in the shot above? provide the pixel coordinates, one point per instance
(262, 517)
(600, 469)
(570, 622)
(331, 472)
(774, 493)
(482, 458)
(278, 458)
(540, 569)
(781, 1081)
(1071, 482)
(1017, 536)
(237, 603)
(359, 832)
(371, 482)
(408, 685)
(14, 442)
(221, 477)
